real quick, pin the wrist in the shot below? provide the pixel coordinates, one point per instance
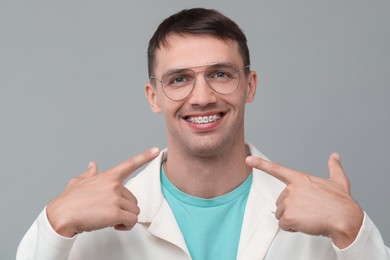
(346, 230)
(60, 225)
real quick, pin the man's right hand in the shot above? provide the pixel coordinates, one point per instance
(93, 201)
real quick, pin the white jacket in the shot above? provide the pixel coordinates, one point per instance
(157, 235)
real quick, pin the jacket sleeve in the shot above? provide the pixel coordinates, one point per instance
(367, 245)
(43, 243)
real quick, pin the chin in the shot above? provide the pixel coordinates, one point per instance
(208, 148)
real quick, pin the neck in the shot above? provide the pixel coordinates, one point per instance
(207, 176)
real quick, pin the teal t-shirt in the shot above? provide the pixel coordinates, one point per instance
(211, 227)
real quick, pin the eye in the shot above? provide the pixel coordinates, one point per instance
(221, 74)
(178, 79)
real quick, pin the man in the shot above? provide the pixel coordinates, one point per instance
(209, 195)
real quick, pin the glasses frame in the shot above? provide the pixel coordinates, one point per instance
(151, 78)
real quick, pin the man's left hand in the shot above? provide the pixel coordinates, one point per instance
(314, 205)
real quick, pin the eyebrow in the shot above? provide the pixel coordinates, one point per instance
(178, 70)
(198, 66)
(174, 71)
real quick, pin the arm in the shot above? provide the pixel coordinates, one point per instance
(324, 207)
(90, 201)
(367, 245)
(42, 242)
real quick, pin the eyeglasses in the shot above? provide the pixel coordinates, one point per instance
(223, 78)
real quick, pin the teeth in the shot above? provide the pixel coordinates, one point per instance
(203, 119)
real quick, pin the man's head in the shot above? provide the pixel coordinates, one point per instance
(200, 81)
(197, 21)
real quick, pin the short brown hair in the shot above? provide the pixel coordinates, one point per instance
(197, 21)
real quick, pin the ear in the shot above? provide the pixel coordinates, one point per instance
(251, 87)
(151, 96)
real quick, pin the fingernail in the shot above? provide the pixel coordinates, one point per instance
(249, 159)
(90, 164)
(154, 150)
(336, 156)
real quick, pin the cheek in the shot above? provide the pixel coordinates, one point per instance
(241, 97)
(169, 108)
(163, 101)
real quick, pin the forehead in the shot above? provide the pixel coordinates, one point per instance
(195, 50)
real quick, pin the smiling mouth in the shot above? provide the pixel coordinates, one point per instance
(204, 119)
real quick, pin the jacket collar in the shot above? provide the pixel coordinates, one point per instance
(259, 226)
(146, 187)
(155, 212)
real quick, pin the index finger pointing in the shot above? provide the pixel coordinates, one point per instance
(280, 172)
(126, 168)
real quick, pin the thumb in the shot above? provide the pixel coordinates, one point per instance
(91, 170)
(336, 171)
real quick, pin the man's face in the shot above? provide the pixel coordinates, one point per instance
(226, 111)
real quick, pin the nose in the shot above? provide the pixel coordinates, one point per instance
(202, 94)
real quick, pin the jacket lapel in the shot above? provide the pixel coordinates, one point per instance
(155, 211)
(260, 225)
(164, 226)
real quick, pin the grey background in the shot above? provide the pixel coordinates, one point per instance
(71, 90)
